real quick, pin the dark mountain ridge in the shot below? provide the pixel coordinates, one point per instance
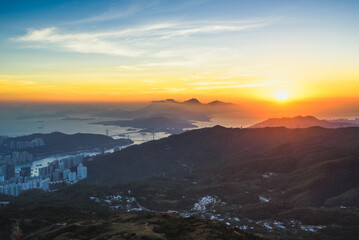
(313, 164)
(290, 184)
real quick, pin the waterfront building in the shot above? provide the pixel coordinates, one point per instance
(81, 171)
(66, 174)
(44, 184)
(56, 175)
(9, 171)
(62, 166)
(72, 177)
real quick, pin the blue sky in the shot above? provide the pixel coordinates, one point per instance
(274, 17)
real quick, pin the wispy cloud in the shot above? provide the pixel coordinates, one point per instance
(78, 42)
(212, 28)
(130, 41)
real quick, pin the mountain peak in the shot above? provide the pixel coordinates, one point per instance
(219, 103)
(165, 101)
(192, 101)
(215, 102)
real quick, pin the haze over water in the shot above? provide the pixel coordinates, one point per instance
(19, 119)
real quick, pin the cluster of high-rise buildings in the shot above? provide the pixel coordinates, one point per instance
(18, 151)
(17, 157)
(16, 187)
(8, 174)
(61, 169)
(65, 171)
(36, 142)
(13, 183)
(21, 157)
(74, 176)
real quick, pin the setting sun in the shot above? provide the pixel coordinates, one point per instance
(282, 96)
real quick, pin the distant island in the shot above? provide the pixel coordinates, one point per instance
(304, 122)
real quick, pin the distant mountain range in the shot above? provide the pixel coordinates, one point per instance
(190, 110)
(304, 122)
(194, 101)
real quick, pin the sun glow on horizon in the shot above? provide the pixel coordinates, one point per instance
(282, 96)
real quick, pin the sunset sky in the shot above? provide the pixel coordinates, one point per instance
(146, 50)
